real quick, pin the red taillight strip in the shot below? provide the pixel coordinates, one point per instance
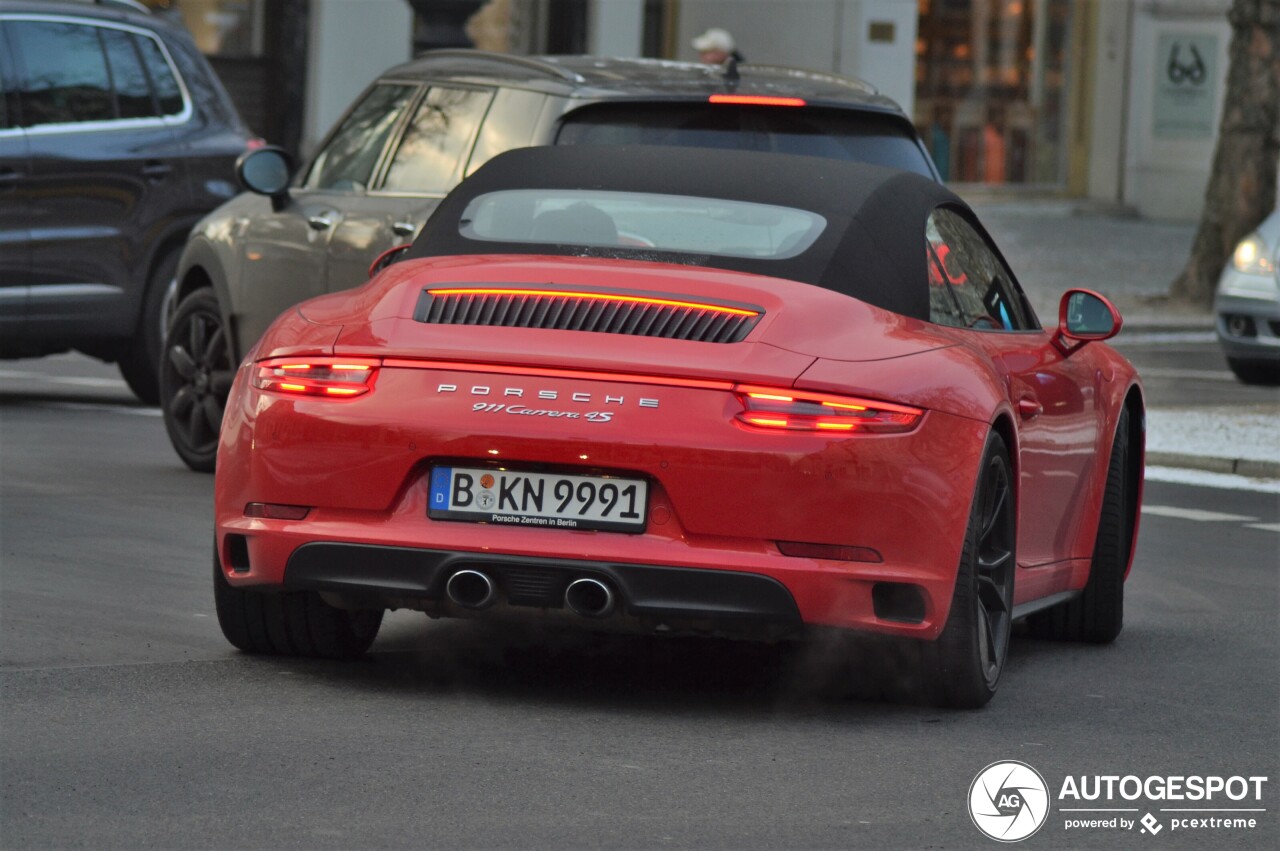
(551, 372)
(772, 408)
(826, 399)
(624, 299)
(756, 100)
(327, 377)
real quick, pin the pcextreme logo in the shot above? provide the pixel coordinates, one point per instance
(1009, 801)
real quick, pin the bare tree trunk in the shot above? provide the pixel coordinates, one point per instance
(1242, 186)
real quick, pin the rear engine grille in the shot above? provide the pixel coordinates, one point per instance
(606, 313)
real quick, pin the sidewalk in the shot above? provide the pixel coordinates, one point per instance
(1054, 245)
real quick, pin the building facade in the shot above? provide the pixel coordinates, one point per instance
(1117, 101)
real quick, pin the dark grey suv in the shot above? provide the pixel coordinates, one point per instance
(115, 138)
(419, 130)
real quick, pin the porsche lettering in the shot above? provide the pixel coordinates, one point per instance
(545, 395)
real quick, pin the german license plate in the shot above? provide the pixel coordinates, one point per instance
(549, 500)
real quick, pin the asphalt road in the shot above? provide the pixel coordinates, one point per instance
(127, 721)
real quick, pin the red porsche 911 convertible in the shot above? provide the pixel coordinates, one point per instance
(686, 391)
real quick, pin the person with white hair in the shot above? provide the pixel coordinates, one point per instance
(715, 47)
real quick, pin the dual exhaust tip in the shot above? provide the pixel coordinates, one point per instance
(474, 589)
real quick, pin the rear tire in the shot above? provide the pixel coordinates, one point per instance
(195, 379)
(1097, 615)
(291, 623)
(962, 668)
(140, 363)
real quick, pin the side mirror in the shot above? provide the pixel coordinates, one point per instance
(1084, 317)
(267, 171)
(386, 258)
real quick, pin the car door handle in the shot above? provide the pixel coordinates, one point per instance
(320, 221)
(9, 178)
(403, 228)
(1029, 407)
(155, 171)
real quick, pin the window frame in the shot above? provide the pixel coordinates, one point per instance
(932, 258)
(462, 167)
(303, 177)
(18, 65)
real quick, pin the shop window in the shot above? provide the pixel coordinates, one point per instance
(229, 29)
(991, 88)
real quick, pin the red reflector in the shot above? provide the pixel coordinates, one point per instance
(799, 549)
(756, 100)
(330, 377)
(272, 511)
(773, 408)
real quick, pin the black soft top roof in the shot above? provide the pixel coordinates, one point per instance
(873, 247)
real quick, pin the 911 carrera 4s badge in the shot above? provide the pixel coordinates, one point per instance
(552, 500)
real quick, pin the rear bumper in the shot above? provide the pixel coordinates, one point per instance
(722, 500)
(733, 586)
(379, 574)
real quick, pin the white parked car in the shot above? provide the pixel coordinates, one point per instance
(1247, 305)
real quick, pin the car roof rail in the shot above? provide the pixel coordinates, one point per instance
(531, 63)
(824, 76)
(135, 5)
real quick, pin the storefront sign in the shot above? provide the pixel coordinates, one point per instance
(1186, 85)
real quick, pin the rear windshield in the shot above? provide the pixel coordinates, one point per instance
(641, 221)
(841, 134)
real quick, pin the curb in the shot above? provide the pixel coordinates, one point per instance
(1250, 467)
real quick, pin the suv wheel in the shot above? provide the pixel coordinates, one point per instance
(140, 364)
(195, 378)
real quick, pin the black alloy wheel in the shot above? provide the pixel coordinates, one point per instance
(965, 663)
(995, 568)
(195, 378)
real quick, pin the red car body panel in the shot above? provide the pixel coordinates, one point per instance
(722, 494)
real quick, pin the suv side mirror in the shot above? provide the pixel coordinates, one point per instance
(267, 171)
(1083, 317)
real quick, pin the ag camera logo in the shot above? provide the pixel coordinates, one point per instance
(1008, 801)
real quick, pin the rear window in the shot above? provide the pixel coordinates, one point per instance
(841, 134)
(641, 221)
